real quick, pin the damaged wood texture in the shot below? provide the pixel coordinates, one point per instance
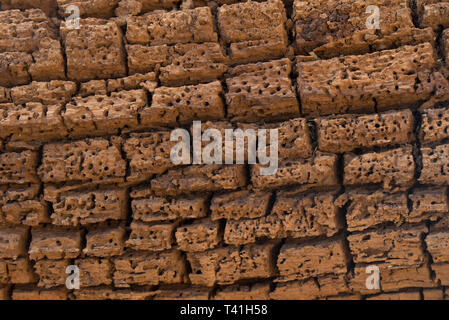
(85, 171)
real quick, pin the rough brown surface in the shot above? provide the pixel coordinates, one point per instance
(395, 247)
(149, 268)
(240, 204)
(392, 169)
(86, 176)
(262, 90)
(152, 208)
(301, 261)
(29, 49)
(99, 55)
(75, 208)
(253, 30)
(393, 279)
(102, 114)
(89, 8)
(346, 133)
(435, 165)
(55, 244)
(18, 167)
(329, 28)
(296, 216)
(351, 85)
(154, 237)
(92, 159)
(434, 125)
(433, 13)
(315, 288)
(247, 262)
(257, 291)
(148, 154)
(319, 171)
(199, 179)
(182, 105)
(39, 294)
(202, 235)
(370, 208)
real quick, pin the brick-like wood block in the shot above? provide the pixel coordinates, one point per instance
(397, 247)
(346, 133)
(32, 121)
(105, 242)
(152, 208)
(127, 7)
(204, 178)
(19, 271)
(230, 264)
(147, 81)
(39, 294)
(433, 13)
(94, 51)
(183, 26)
(356, 84)
(435, 125)
(435, 167)
(294, 137)
(320, 171)
(334, 28)
(47, 93)
(18, 167)
(94, 271)
(301, 261)
(301, 216)
(438, 245)
(253, 30)
(239, 205)
(84, 160)
(441, 273)
(181, 105)
(28, 212)
(392, 169)
(314, 288)
(101, 114)
(14, 68)
(152, 237)
(143, 58)
(9, 194)
(13, 242)
(52, 273)
(261, 91)
(199, 236)
(148, 154)
(53, 243)
(141, 268)
(29, 48)
(82, 208)
(428, 203)
(369, 208)
(191, 63)
(89, 8)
